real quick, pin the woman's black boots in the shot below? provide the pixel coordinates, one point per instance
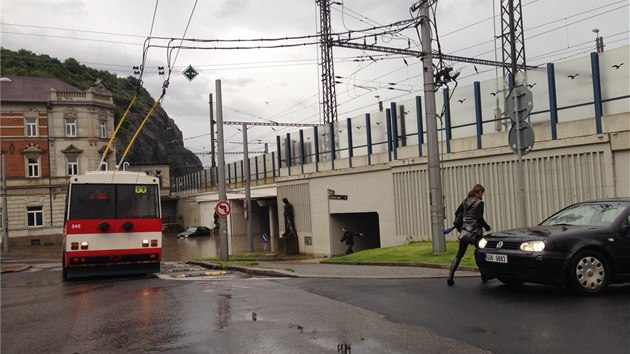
(454, 265)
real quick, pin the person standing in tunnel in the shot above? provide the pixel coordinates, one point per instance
(348, 237)
(471, 229)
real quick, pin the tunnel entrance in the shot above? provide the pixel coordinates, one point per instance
(365, 223)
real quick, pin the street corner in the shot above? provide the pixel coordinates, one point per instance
(12, 268)
(186, 271)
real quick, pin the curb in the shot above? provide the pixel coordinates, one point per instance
(249, 270)
(14, 268)
(422, 265)
(285, 273)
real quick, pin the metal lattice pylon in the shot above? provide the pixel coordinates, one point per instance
(512, 37)
(329, 101)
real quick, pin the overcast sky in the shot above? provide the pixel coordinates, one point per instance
(283, 84)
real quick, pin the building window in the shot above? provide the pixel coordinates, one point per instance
(35, 216)
(71, 127)
(102, 129)
(31, 126)
(73, 165)
(32, 165)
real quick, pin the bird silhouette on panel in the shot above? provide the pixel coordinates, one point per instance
(573, 76)
(378, 123)
(461, 101)
(494, 93)
(358, 127)
(617, 66)
(340, 131)
(531, 85)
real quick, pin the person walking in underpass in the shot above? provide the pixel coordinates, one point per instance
(348, 237)
(471, 229)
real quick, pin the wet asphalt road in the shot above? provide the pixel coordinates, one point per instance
(235, 313)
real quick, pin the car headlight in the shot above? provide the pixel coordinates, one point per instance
(532, 246)
(482, 243)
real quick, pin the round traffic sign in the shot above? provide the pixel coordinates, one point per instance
(527, 138)
(223, 208)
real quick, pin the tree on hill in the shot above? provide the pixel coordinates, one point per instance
(160, 141)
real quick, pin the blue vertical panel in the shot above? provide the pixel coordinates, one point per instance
(478, 114)
(287, 147)
(403, 126)
(242, 171)
(349, 129)
(273, 165)
(368, 132)
(256, 163)
(420, 127)
(333, 151)
(302, 155)
(229, 168)
(264, 160)
(316, 142)
(279, 154)
(447, 119)
(510, 87)
(394, 129)
(597, 92)
(553, 102)
(388, 120)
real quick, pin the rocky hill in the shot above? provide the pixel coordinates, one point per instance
(160, 140)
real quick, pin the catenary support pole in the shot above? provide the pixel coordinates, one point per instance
(435, 182)
(248, 196)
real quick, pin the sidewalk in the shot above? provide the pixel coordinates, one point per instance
(18, 257)
(17, 260)
(312, 268)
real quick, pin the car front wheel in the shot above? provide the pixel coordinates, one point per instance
(589, 273)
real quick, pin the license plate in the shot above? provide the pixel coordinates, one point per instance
(496, 258)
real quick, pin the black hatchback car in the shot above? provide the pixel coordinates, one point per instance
(195, 231)
(585, 246)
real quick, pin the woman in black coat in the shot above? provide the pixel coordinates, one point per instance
(472, 226)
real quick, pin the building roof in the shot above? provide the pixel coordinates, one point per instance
(32, 89)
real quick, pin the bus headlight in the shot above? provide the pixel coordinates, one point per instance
(532, 246)
(84, 245)
(145, 243)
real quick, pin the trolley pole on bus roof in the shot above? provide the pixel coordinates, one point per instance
(223, 239)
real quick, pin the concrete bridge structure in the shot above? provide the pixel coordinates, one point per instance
(379, 161)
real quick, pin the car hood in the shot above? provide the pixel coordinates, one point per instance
(186, 233)
(543, 232)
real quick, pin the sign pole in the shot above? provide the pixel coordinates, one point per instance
(223, 238)
(519, 167)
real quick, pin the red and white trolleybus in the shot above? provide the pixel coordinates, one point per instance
(113, 225)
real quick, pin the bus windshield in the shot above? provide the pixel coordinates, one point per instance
(107, 201)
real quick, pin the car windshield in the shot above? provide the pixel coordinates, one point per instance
(595, 214)
(191, 229)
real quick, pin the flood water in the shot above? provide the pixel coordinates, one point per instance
(185, 249)
(191, 248)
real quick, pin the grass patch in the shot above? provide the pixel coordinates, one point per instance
(412, 253)
(415, 252)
